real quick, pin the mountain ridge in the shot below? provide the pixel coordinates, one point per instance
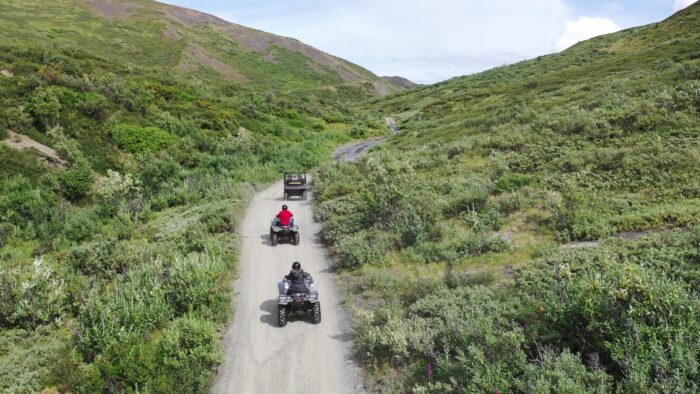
(179, 18)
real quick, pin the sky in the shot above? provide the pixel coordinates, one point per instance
(431, 41)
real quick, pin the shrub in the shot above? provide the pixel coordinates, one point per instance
(41, 298)
(28, 357)
(472, 197)
(188, 355)
(136, 305)
(103, 258)
(23, 204)
(79, 225)
(45, 106)
(363, 248)
(564, 373)
(76, 182)
(625, 310)
(136, 139)
(158, 171)
(18, 120)
(513, 181)
(357, 131)
(198, 284)
(117, 192)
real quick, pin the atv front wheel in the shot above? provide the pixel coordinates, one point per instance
(316, 313)
(274, 239)
(296, 239)
(281, 315)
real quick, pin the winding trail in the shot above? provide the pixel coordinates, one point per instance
(261, 357)
(353, 150)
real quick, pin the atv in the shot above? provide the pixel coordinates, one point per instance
(294, 185)
(279, 233)
(298, 304)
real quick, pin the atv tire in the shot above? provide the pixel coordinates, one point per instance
(273, 239)
(281, 315)
(304, 196)
(286, 196)
(296, 239)
(316, 313)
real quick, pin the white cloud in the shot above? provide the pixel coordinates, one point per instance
(583, 29)
(423, 41)
(681, 4)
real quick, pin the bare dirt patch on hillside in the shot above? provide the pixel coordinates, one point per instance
(6, 73)
(46, 154)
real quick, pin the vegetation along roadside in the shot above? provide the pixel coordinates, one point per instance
(447, 237)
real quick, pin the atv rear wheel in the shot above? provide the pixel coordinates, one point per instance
(316, 313)
(273, 239)
(281, 315)
(296, 239)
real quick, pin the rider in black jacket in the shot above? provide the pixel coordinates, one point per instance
(297, 278)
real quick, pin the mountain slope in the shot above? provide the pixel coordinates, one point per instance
(132, 136)
(143, 33)
(457, 232)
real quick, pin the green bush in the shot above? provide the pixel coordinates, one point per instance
(363, 248)
(76, 182)
(24, 204)
(565, 373)
(80, 225)
(103, 258)
(28, 357)
(513, 181)
(157, 172)
(188, 356)
(36, 298)
(136, 139)
(136, 306)
(198, 284)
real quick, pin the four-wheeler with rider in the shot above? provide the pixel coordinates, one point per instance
(298, 296)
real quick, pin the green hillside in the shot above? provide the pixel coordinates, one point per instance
(457, 232)
(145, 35)
(147, 128)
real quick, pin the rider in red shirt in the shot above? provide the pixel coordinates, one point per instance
(285, 216)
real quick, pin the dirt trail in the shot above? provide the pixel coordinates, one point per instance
(628, 235)
(261, 357)
(391, 122)
(353, 150)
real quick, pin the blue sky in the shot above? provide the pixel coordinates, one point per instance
(430, 41)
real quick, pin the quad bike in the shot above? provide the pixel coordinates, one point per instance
(298, 304)
(279, 233)
(294, 185)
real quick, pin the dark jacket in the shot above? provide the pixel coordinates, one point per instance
(297, 280)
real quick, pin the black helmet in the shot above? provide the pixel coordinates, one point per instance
(284, 207)
(296, 266)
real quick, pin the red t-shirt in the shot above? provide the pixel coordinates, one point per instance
(285, 217)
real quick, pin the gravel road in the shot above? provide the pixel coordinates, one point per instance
(261, 357)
